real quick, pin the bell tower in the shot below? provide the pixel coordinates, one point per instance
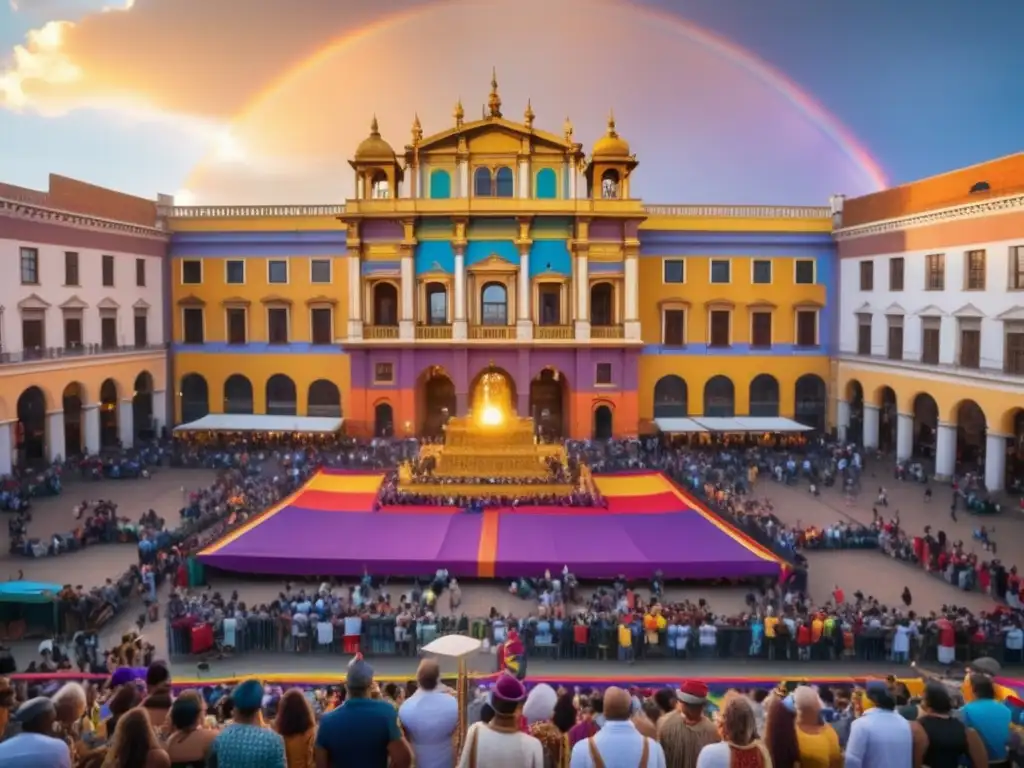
(610, 166)
(378, 173)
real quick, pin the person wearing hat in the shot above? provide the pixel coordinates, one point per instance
(685, 732)
(35, 747)
(501, 743)
(246, 742)
(364, 730)
(881, 736)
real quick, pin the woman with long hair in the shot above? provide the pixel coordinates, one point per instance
(135, 744)
(780, 731)
(189, 743)
(296, 724)
(125, 699)
(739, 747)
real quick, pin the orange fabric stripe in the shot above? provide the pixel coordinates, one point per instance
(487, 553)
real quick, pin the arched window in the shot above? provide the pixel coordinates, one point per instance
(437, 304)
(384, 420)
(602, 304)
(379, 187)
(238, 396)
(764, 396)
(494, 305)
(324, 399)
(32, 425)
(505, 183)
(385, 304)
(482, 183)
(281, 396)
(719, 398)
(546, 184)
(670, 397)
(610, 184)
(195, 398)
(440, 184)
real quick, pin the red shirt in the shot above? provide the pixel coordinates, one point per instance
(803, 635)
(947, 637)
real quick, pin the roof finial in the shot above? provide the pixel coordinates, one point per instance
(494, 100)
(374, 128)
(459, 114)
(568, 129)
(417, 130)
(611, 124)
(529, 115)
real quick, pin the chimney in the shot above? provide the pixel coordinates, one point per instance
(836, 202)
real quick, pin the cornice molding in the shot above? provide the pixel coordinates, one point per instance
(962, 212)
(18, 209)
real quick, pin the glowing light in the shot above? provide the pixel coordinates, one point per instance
(184, 197)
(228, 149)
(492, 416)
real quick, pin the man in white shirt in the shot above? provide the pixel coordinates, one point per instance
(618, 743)
(429, 718)
(35, 747)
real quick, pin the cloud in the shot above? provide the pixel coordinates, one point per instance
(201, 58)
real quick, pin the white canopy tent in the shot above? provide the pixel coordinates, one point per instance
(700, 424)
(720, 424)
(678, 426)
(249, 422)
(772, 424)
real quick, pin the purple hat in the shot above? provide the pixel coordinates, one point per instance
(124, 675)
(509, 689)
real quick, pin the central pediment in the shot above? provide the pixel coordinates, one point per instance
(493, 135)
(493, 263)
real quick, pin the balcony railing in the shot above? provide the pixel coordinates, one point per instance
(43, 354)
(742, 211)
(433, 332)
(607, 332)
(553, 332)
(380, 332)
(492, 332)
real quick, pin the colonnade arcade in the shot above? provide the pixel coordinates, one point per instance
(958, 437)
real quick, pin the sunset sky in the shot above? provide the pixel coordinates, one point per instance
(723, 101)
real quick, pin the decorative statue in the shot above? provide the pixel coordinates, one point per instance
(512, 656)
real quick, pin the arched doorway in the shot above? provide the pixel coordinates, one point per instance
(109, 437)
(855, 407)
(719, 398)
(493, 395)
(282, 398)
(31, 437)
(1015, 461)
(383, 420)
(670, 398)
(142, 407)
(971, 427)
(73, 399)
(385, 304)
(324, 399)
(811, 402)
(195, 398)
(438, 403)
(548, 403)
(238, 394)
(888, 420)
(603, 422)
(926, 422)
(764, 396)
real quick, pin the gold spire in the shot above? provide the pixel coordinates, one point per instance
(611, 144)
(417, 130)
(529, 115)
(611, 125)
(494, 100)
(459, 114)
(374, 128)
(568, 128)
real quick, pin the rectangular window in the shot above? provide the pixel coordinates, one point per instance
(761, 330)
(864, 335)
(896, 267)
(30, 266)
(277, 325)
(234, 272)
(935, 272)
(108, 271)
(807, 328)
(805, 272)
(970, 348)
(720, 321)
(894, 350)
(437, 304)
(33, 336)
(71, 268)
(867, 275)
(191, 272)
(674, 327)
(762, 272)
(72, 332)
(322, 323)
(383, 373)
(141, 329)
(108, 332)
(975, 266)
(140, 273)
(238, 326)
(1013, 358)
(931, 328)
(720, 271)
(549, 299)
(320, 271)
(277, 271)
(193, 325)
(674, 271)
(1016, 281)
(603, 374)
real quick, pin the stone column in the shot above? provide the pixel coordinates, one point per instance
(406, 323)
(55, 435)
(995, 460)
(945, 451)
(904, 436)
(524, 325)
(842, 419)
(91, 420)
(631, 270)
(460, 330)
(582, 297)
(355, 296)
(6, 449)
(126, 422)
(870, 426)
(159, 410)
(524, 178)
